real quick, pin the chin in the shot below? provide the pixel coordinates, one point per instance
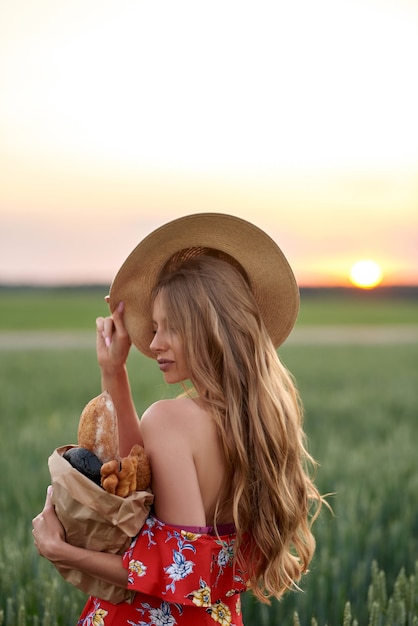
(172, 379)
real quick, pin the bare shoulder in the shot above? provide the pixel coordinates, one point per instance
(173, 434)
(165, 411)
(179, 421)
(182, 442)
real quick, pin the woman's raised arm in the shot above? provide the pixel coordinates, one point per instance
(113, 345)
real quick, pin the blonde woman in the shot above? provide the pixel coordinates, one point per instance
(210, 297)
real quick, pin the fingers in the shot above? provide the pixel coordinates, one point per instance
(47, 506)
(106, 326)
(113, 341)
(108, 329)
(38, 522)
(48, 532)
(118, 317)
(48, 501)
(102, 328)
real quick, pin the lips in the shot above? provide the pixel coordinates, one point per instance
(164, 364)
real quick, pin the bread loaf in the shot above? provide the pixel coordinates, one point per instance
(98, 428)
(143, 470)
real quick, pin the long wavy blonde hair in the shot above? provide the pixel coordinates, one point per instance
(237, 374)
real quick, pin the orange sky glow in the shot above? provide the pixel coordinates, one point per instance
(118, 116)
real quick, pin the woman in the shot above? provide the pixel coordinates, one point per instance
(210, 297)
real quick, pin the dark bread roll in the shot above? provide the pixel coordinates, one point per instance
(85, 462)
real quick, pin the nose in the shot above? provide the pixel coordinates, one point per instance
(153, 343)
(157, 343)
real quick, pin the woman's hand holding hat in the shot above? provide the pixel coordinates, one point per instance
(113, 342)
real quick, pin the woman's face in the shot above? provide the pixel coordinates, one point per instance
(167, 345)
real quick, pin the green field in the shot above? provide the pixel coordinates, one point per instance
(361, 419)
(77, 308)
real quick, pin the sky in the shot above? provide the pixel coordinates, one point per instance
(117, 116)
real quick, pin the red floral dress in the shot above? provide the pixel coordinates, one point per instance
(181, 575)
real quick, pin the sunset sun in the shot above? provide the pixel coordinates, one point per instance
(366, 274)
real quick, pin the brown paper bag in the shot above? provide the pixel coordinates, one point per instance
(95, 519)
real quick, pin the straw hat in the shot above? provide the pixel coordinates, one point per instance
(269, 274)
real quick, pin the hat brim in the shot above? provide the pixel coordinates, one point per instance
(271, 278)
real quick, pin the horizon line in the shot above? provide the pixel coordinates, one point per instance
(105, 286)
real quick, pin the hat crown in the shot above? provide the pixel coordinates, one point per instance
(194, 252)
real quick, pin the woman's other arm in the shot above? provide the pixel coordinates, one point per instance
(49, 538)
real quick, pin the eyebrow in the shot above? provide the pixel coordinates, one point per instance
(162, 322)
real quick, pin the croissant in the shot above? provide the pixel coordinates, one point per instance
(109, 475)
(132, 473)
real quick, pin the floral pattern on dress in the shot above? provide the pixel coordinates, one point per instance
(201, 596)
(180, 578)
(181, 567)
(160, 616)
(220, 613)
(95, 617)
(137, 567)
